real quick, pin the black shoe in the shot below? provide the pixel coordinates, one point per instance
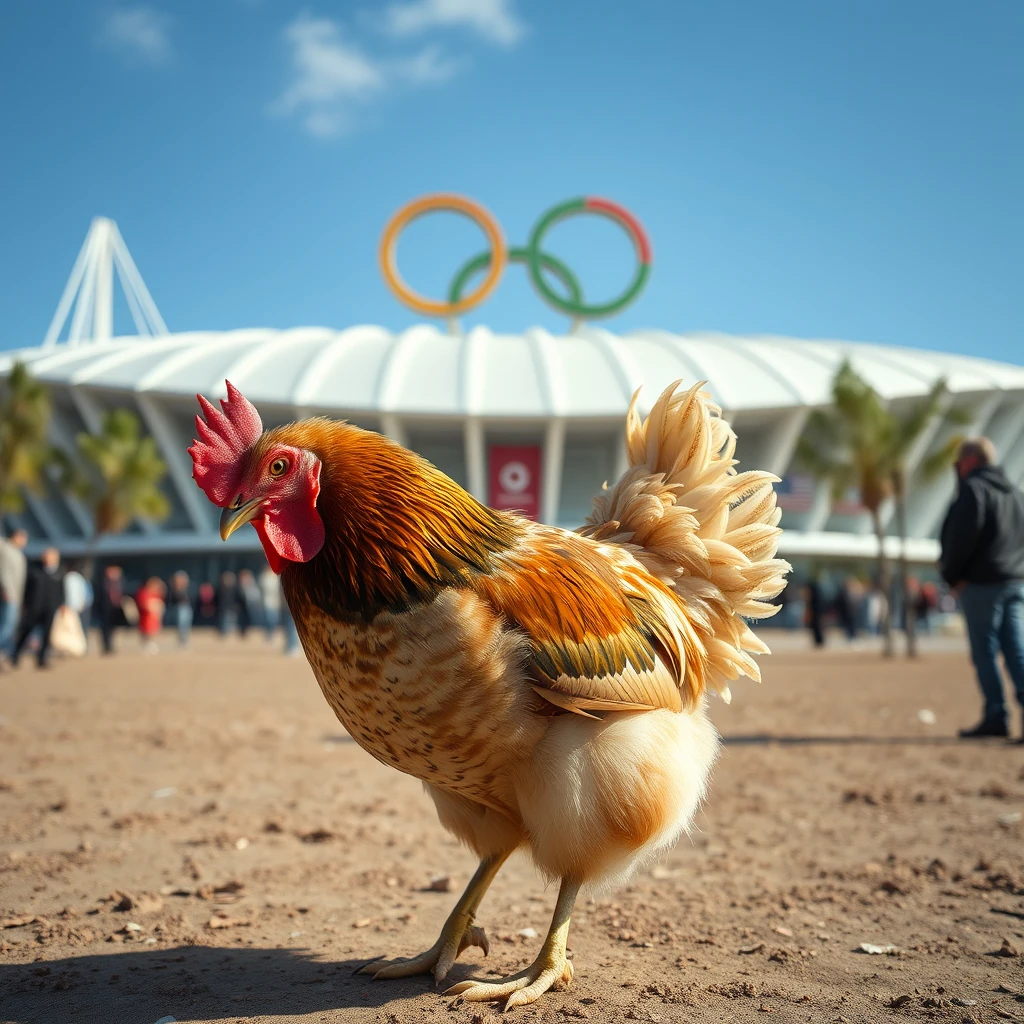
(994, 728)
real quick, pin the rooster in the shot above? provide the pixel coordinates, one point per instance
(548, 687)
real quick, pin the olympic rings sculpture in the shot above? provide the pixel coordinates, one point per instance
(494, 260)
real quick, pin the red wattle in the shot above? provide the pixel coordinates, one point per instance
(274, 560)
(294, 531)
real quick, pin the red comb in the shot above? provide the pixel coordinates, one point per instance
(224, 437)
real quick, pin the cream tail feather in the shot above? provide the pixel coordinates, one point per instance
(697, 524)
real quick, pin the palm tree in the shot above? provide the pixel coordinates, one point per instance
(125, 473)
(862, 443)
(24, 424)
(850, 446)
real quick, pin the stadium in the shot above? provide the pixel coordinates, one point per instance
(532, 420)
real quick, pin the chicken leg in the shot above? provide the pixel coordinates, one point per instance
(551, 969)
(458, 933)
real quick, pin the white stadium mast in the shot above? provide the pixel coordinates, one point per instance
(90, 290)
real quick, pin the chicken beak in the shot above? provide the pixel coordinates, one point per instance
(238, 514)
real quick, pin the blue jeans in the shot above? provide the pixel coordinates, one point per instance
(8, 626)
(994, 613)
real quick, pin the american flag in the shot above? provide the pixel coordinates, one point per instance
(796, 492)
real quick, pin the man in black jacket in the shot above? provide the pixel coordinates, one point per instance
(983, 558)
(44, 594)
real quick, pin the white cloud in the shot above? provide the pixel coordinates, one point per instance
(140, 33)
(333, 76)
(429, 65)
(494, 20)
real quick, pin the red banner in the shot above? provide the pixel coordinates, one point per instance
(514, 478)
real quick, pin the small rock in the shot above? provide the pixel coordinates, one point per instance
(1007, 949)
(241, 843)
(1011, 819)
(131, 926)
(230, 892)
(747, 950)
(870, 947)
(527, 933)
(318, 835)
(122, 901)
(222, 921)
(788, 932)
(442, 883)
(363, 922)
(17, 922)
(926, 716)
(957, 1001)
(897, 1001)
(164, 793)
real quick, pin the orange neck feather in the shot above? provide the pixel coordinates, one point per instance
(398, 529)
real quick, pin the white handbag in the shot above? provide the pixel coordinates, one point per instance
(66, 634)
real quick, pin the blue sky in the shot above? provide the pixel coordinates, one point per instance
(842, 169)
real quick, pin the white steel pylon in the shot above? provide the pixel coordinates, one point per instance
(90, 289)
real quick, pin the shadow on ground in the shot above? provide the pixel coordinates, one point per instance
(753, 739)
(197, 983)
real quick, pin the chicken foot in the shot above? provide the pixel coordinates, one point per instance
(458, 933)
(550, 970)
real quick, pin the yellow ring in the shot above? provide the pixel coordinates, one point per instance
(455, 204)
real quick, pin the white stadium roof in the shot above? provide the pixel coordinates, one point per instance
(424, 371)
(452, 394)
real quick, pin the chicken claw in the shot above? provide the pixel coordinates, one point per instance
(458, 933)
(546, 972)
(437, 960)
(551, 969)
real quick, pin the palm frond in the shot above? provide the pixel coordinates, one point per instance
(24, 425)
(126, 471)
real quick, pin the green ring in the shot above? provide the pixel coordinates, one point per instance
(515, 255)
(535, 259)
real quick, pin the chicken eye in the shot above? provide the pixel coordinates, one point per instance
(279, 467)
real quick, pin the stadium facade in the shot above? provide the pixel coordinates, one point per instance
(531, 420)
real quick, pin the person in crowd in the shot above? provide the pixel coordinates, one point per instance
(815, 611)
(983, 559)
(227, 603)
(206, 604)
(109, 605)
(44, 594)
(78, 594)
(847, 600)
(13, 571)
(180, 599)
(270, 595)
(928, 602)
(874, 608)
(151, 602)
(250, 602)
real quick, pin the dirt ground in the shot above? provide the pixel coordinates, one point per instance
(192, 835)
